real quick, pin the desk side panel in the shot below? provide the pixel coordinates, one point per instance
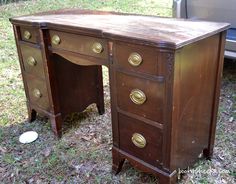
(195, 78)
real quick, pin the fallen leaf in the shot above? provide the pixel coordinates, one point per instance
(2, 170)
(31, 180)
(39, 181)
(86, 138)
(3, 149)
(47, 152)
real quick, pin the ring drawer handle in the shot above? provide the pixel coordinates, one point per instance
(37, 93)
(137, 96)
(27, 35)
(31, 61)
(139, 140)
(135, 59)
(56, 40)
(97, 48)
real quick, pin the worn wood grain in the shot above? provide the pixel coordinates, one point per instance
(165, 32)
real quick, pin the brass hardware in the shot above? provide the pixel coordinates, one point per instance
(139, 140)
(135, 59)
(56, 40)
(97, 48)
(137, 96)
(37, 93)
(27, 35)
(31, 61)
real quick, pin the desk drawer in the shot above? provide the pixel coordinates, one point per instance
(140, 96)
(29, 34)
(140, 140)
(32, 60)
(137, 58)
(37, 90)
(86, 45)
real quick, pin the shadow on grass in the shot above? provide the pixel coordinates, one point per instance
(229, 72)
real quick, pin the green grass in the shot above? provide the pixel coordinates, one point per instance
(73, 159)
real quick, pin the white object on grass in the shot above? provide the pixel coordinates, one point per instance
(28, 137)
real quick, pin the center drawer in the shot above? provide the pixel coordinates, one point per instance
(139, 139)
(86, 45)
(140, 96)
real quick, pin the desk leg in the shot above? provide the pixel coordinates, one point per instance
(100, 95)
(117, 161)
(56, 123)
(31, 113)
(167, 180)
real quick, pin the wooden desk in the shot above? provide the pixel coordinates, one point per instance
(164, 79)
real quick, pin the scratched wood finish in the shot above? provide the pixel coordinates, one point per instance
(180, 75)
(164, 32)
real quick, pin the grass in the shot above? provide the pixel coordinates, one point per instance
(75, 158)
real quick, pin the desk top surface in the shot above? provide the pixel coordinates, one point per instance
(168, 32)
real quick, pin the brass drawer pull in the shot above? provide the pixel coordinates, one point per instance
(27, 35)
(31, 61)
(56, 40)
(137, 96)
(37, 93)
(97, 48)
(139, 140)
(135, 59)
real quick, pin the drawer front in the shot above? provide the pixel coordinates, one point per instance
(37, 92)
(86, 45)
(140, 96)
(29, 34)
(140, 140)
(136, 58)
(32, 60)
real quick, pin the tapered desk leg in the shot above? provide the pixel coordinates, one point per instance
(167, 180)
(117, 161)
(56, 123)
(208, 153)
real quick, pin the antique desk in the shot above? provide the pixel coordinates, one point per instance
(164, 80)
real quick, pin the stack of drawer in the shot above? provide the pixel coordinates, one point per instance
(52, 83)
(33, 69)
(140, 89)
